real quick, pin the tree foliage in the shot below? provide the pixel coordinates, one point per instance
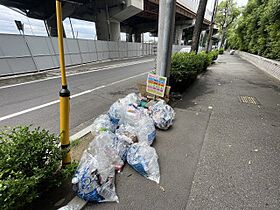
(227, 12)
(258, 29)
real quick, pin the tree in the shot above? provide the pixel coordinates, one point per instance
(198, 24)
(257, 30)
(227, 12)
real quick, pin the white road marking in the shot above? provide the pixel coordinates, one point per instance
(28, 110)
(73, 96)
(80, 73)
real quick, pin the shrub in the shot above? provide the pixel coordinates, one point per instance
(221, 51)
(30, 163)
(185, 66)
(214, 54)
(206, 58)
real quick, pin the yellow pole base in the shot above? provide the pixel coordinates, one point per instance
(64, 123)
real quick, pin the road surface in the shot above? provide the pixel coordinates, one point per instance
(92, 92)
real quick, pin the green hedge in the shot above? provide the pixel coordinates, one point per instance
(213, 54)
(186, 66)
(30, 163)
(221, 51)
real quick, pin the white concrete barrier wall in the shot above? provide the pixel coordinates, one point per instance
(271, 67)
(20, 54)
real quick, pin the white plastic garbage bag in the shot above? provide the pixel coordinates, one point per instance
(94, 179)
(101, 124)
(144, 160)
(163, 115)
(146, 131)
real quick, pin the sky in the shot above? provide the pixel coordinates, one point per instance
(84, 29)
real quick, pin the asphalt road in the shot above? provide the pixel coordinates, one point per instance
(92, 92)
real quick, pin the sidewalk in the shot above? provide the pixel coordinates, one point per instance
(221, 153)
(239, 161)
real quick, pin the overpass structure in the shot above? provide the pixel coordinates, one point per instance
(111, 17)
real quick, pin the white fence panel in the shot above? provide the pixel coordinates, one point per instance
(19, 54)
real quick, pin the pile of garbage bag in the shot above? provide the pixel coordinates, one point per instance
(124, 134)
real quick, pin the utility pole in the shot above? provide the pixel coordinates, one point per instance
(167, 10)
(198, 24)
(64, 93)
(209, 39)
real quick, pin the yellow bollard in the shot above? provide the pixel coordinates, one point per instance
(64, 93)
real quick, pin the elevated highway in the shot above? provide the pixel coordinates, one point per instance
(113, 16)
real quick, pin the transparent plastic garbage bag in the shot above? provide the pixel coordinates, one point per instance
(144, 159)
(131, 98)
(94, 179)
(146, 131)
(133, 114)
(118, 109)
(163, 115)
(116, 112)
(108, 144)
(101, 124)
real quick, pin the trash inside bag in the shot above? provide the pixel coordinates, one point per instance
(107, 144)
(133, 114)
(144, 160)
(101, 124)
(163, 115)
(127, 133)
(121, 146)
(146, 131)
(94, 181)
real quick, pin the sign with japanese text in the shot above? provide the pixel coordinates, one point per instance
(156, 85)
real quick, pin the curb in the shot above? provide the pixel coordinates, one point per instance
(77, 203)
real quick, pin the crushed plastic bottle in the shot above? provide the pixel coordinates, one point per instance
(163, 115)
(144, 159)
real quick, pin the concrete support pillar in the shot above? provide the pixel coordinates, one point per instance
(129, 37)
(137, 37)
(115, 28)
(178, 36)
(202, 39)
(106, 28)
(52, 27)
